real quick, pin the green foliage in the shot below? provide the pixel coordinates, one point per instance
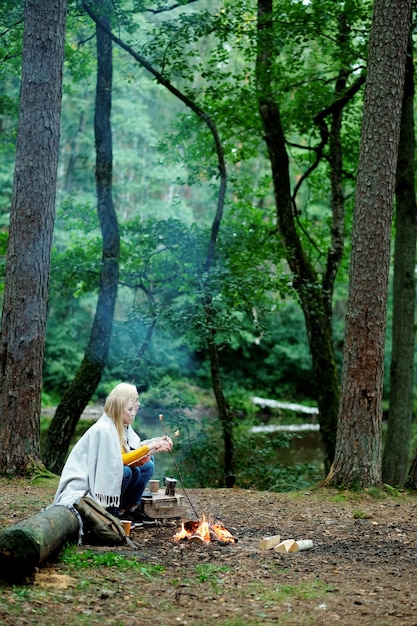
(199, 453)
(161, 264)
(165, 190)
(82, 426)
(11, 33)
(67, 335)
(376, 493)
(393, 491)
(279, 365)
(257, 464)
(164, 164)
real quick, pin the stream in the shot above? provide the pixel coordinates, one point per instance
(305, 448)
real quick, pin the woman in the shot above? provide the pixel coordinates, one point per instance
(111, 462)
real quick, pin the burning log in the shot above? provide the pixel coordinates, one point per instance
(198, 537)
(203, 531)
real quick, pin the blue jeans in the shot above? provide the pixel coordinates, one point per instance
(134, 483)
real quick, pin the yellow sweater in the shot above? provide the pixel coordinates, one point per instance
(134, 455)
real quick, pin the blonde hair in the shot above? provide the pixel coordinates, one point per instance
(115, 404)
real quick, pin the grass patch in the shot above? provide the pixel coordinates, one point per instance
(270, 596)
(207, 572)
(361, 515)
(376, 493)
(91, 559)
(347, 495)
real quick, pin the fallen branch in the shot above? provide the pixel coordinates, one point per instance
(289, 406)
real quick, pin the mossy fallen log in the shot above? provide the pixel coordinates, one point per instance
(29, 543)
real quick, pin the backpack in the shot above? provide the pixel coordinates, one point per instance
(99, 526)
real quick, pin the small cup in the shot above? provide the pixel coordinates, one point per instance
(126, 525)
(154, 486)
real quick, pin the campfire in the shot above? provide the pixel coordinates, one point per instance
(204, 531)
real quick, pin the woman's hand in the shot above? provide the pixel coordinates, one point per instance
(162, 444)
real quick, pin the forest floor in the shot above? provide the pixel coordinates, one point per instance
(361, 569)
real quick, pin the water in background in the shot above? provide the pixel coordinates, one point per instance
(305, 448)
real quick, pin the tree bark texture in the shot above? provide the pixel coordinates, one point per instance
(28, 544)
(88, 376)
(397, 442)
(358, 445)
(30, 235)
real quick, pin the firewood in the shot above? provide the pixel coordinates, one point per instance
(28, 544)
(196, 538)
(289, 545)
(267, 543)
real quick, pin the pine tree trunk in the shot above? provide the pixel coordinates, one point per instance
(88, 376)
(32, 219)
(397, 443)
(358, 446)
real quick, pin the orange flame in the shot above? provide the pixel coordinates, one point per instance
(204, 531)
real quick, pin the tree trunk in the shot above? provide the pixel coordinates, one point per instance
(30, 235)
(90, 371)
(28, 544)
(358, 445)
(225, 414)
(397, 443)
(315, 303)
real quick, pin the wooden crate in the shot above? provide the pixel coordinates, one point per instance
(160, 506)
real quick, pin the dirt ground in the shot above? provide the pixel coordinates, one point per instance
(360, 570)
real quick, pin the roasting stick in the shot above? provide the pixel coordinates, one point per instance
(176, 434)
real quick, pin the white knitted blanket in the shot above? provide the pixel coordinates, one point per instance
(95, 465)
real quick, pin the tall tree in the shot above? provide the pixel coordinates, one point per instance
(315, 289)
(30, 235)
(210, 329)
(400, 415)
(88, 376)
(358, 444)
